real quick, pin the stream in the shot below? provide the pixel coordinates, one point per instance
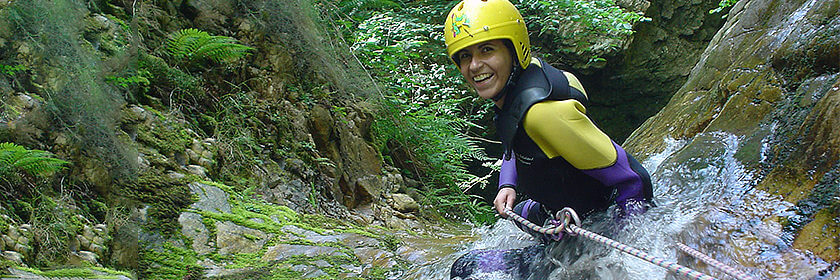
(705, 200)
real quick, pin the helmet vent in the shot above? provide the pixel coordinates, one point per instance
(461, 7)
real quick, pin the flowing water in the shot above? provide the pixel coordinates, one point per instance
(705, 200)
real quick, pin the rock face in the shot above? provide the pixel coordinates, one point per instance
(638, 83)
(771, 78)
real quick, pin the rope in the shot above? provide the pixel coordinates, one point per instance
(713, 262)
(567, 215)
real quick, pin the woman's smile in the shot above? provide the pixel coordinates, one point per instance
(486, 66)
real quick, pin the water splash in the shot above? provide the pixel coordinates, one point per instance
(705, 200)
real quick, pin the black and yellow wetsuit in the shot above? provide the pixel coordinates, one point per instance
(557, 156)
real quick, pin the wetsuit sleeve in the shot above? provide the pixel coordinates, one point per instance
(561, 128)
(507, 173)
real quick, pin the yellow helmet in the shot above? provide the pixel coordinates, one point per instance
(475, 21)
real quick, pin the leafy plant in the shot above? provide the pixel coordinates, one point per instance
(425, 110)
(140, 79)
(11, 70)
(16, 158)
(724, 4)
(192, 45)
(598, 26)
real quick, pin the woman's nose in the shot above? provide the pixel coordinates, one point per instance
(475, 63)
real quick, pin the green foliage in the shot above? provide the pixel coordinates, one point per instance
(77, 98)
(139, 80)
(193, 46)
(16, 158)
(426, 110)
(723, 5)
(170, 262)
(595, 22)
(11, 70)
(169, 80)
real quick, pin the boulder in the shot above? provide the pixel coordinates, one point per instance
(192, 226)
(283, 251)
(404, 203)
(235, 239)
(210, 198)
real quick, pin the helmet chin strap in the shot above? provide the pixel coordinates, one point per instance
(511, 82)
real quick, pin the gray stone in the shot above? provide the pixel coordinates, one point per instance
(210, 198)
(101, 229)
(193, 156)
(13, 232)
(308, 271)
(84, 243)
(25, 230)
(321, 263)
(193, 227)
(97, 240)
(83, 259)
(23, 249)
(233, 239)
(197, 170)
(283, 251)
(98, 249)
(87, 232)
(23, 240)
(355, 240)
(14, 257)
(373, 256)
(404, 203)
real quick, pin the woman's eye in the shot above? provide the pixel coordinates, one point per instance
(463, 55)
(487, 49)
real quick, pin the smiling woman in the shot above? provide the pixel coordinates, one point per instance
(487, 67)
(553, 152)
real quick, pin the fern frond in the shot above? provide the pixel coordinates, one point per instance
(192, 45)
(14, 157)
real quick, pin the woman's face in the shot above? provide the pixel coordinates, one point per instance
(486, 66)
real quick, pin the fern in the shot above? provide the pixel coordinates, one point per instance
(193, 45)
(15, 158)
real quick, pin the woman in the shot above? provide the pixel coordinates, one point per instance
(554, 153)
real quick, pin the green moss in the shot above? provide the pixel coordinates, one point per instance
(169, 138)
(167, 197)
(86, 273)
(170, 262)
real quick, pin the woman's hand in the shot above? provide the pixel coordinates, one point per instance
(504, 199)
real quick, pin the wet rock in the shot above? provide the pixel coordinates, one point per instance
(233, 239)
(283, 251)
(309, 271)
(355, 240)
(374, 256)
(210, 198)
